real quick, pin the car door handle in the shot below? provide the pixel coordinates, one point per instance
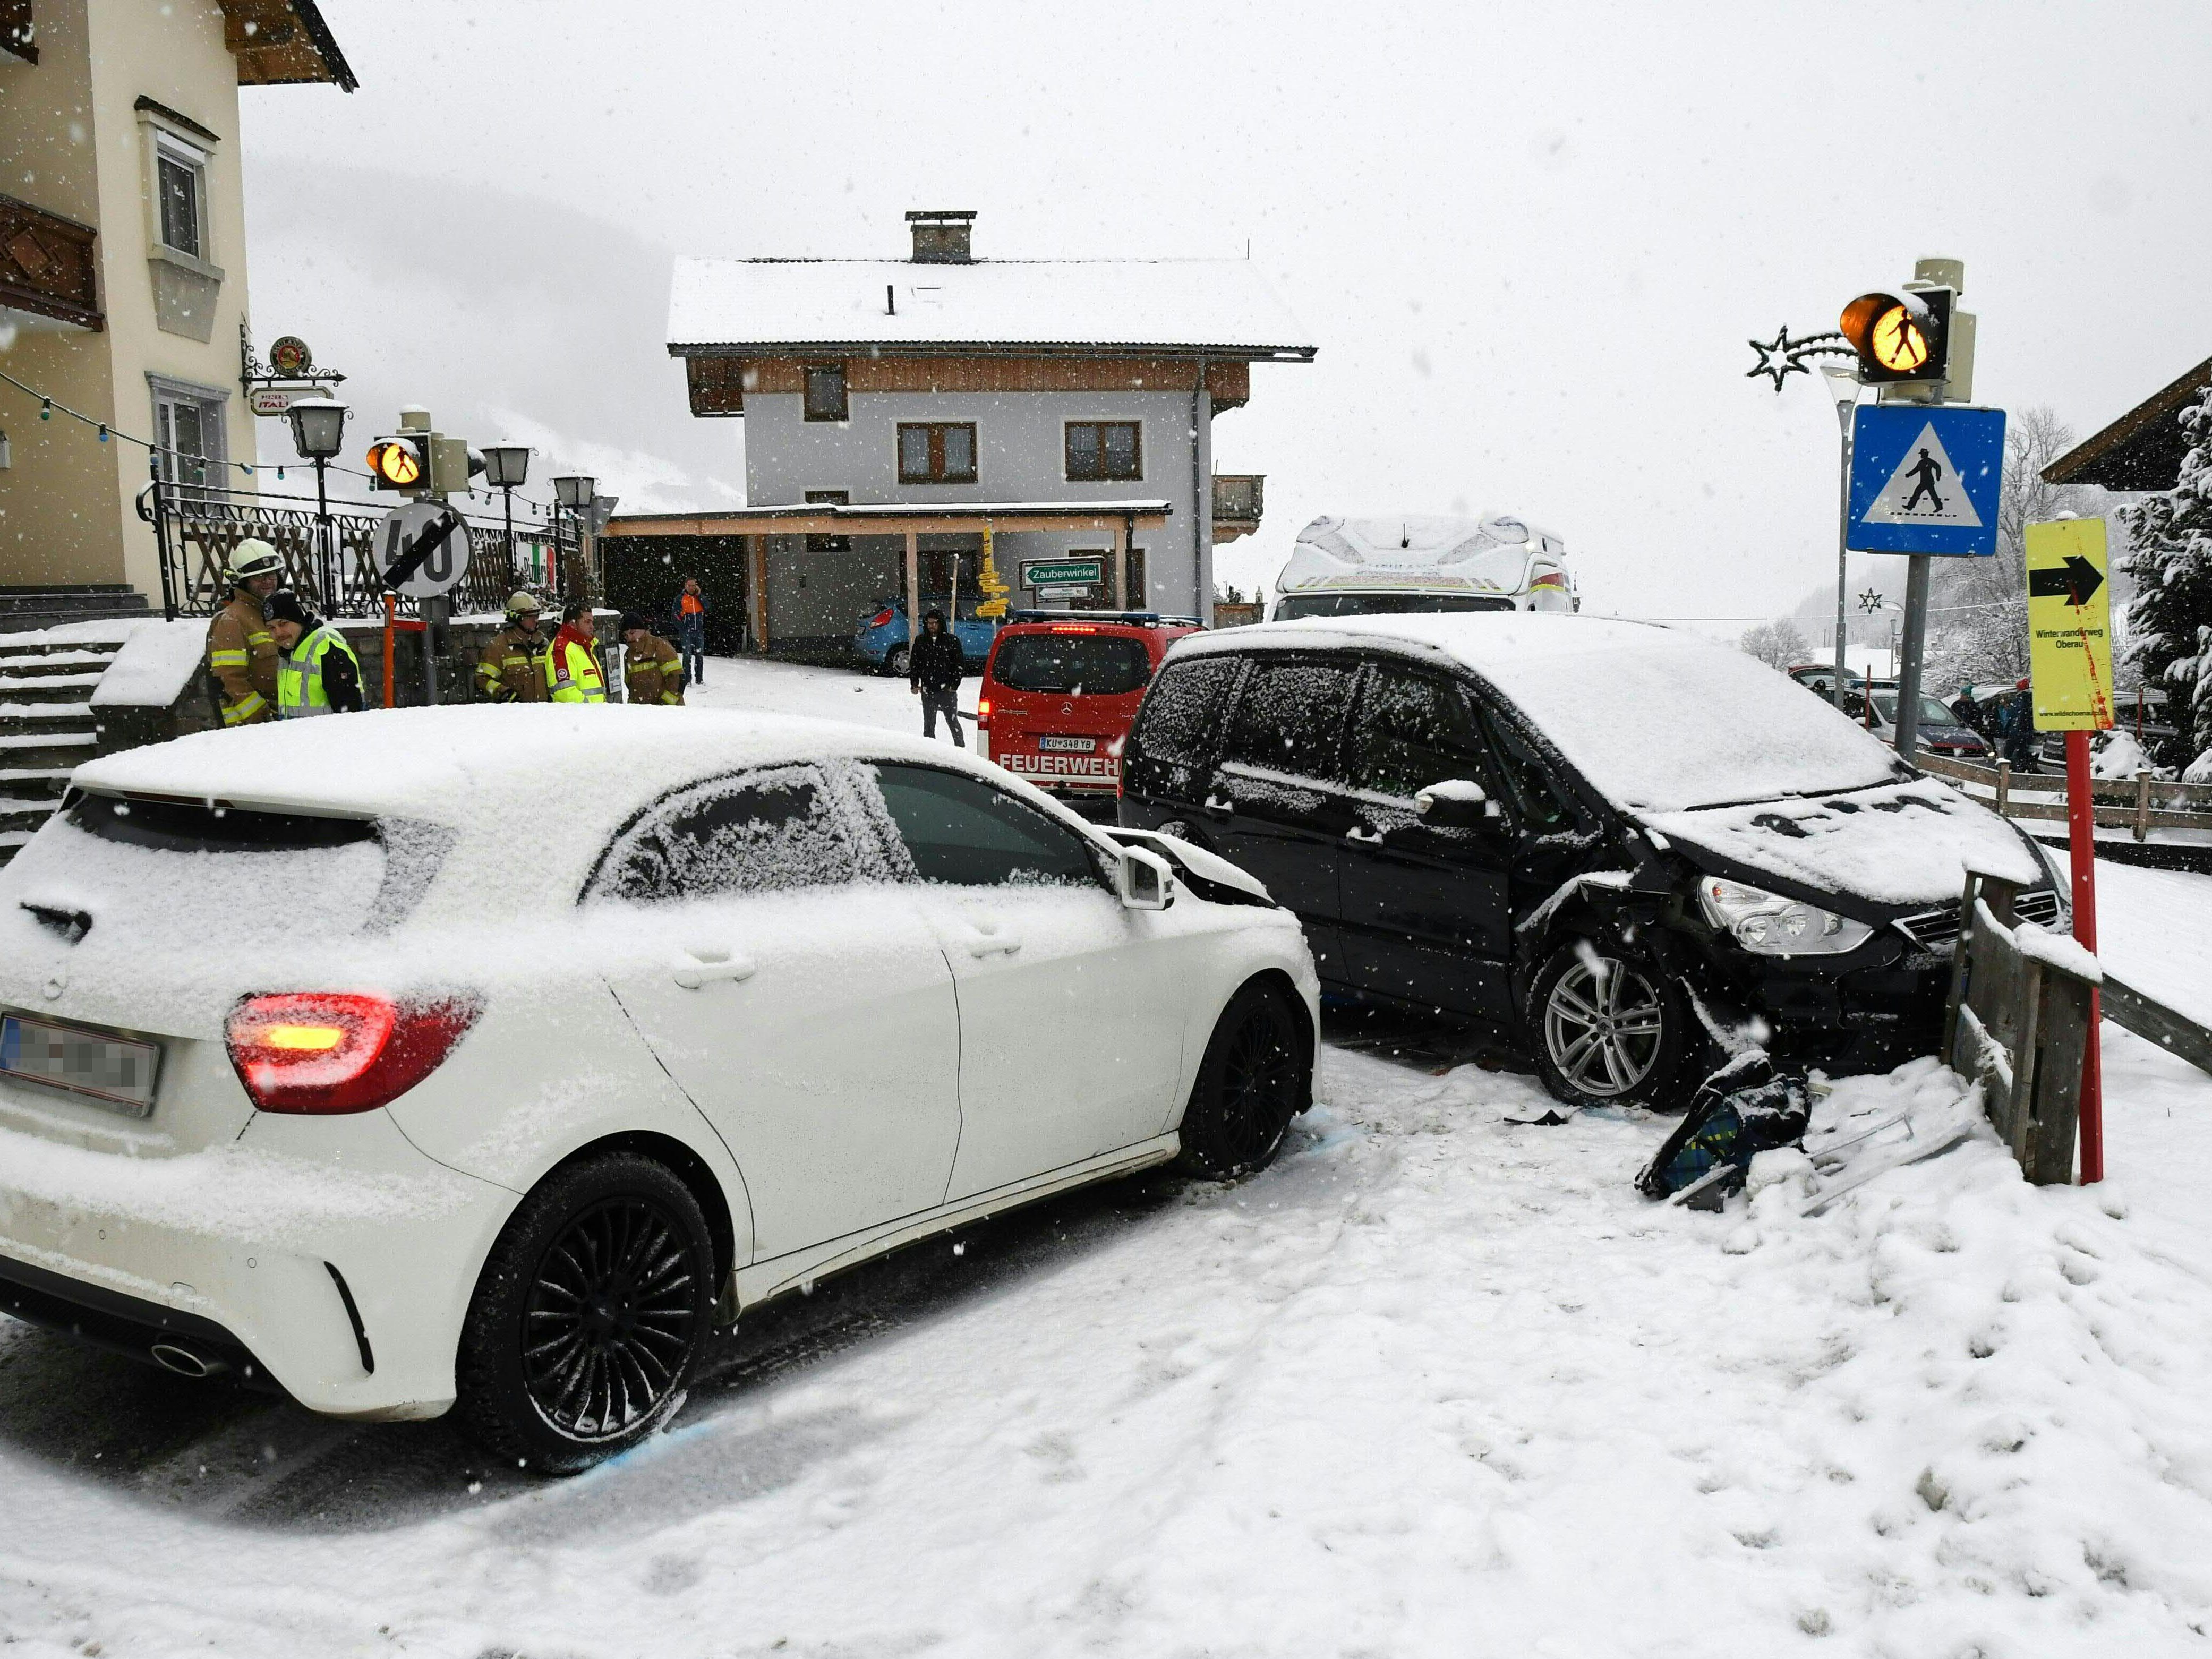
(697, 968)
(983, 943)
(1365, 837)
(1220, 806)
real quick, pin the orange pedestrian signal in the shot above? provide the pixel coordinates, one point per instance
(1900, 338)
(397, 464)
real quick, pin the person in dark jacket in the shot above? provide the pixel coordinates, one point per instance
(691, 631)
(935, 667)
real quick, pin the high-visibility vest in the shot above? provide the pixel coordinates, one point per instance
(576, 675)
(300, 674)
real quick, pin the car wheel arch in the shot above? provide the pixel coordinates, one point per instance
(1277, 980)
(687, 1166)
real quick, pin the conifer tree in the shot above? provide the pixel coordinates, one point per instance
(2169, 623)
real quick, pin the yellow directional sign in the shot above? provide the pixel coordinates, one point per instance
(991, 582)
(2069, 626)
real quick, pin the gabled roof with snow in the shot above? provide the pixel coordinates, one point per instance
(1220, 307)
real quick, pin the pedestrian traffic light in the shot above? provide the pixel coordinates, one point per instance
(400, 462)
(1901, 338)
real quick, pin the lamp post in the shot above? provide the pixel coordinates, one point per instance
(1844, 386)
(318, 432)
(506, 467)
(574, 492)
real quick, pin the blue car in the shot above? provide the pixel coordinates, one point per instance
(880, 638)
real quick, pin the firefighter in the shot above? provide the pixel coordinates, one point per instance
(317, 673)
(516, 665)
(655, 672)
(241, 652)
(575, 664)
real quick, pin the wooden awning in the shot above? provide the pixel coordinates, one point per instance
(815, 519)
(2142, 449)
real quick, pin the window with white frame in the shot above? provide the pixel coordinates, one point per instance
(189, 428)
(180, 171)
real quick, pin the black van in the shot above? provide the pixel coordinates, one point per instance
(1623, 848)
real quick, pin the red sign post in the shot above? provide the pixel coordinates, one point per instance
(2070, 638)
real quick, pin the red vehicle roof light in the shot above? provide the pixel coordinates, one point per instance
(324, 1053)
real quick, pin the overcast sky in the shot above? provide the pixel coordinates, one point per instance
(1530, 241)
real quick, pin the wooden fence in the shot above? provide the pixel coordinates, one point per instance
(2141, 804)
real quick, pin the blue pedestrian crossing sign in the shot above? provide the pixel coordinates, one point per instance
(1924, 479)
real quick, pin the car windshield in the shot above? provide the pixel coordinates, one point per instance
(1294, 606)
(1932, 713)
(1094, 665)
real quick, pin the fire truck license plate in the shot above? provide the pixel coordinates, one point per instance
(1068, 745)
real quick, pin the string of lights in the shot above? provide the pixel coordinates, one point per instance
(50, 406)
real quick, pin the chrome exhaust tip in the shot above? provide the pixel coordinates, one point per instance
(186, 1362)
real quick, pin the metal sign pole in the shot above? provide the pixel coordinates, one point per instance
(433, 618)
(1843, 552)
(1908, 671)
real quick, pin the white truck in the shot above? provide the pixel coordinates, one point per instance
(1410, 561)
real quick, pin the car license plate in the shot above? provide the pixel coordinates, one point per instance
(116, 1071)
(1068, 745)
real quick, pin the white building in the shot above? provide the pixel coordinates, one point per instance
(943, 380)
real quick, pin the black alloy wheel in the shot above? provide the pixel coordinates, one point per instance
(1253, 1081)
(1610, 1029)
(590, 1316)
(611, 1318)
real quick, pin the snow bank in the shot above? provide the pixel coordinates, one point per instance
(155, 664)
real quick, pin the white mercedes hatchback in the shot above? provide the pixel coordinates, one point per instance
(491, 1058)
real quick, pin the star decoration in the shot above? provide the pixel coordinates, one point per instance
(1870, 601)
(1777, 360)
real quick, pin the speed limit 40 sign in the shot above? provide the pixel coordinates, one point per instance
(422, 548)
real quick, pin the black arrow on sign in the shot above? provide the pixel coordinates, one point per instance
(434, 536)
(2074, 583)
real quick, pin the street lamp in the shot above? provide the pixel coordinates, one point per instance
(506, 466)
(1844, 386)
(574, 491)
(318, 433)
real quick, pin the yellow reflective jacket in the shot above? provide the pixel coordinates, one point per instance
(577, 677)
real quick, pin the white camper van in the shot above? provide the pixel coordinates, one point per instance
(1386, 566)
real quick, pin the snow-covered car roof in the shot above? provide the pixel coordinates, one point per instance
(1219, 305)
(1657, 720)
(1488, 553)
(536, 792)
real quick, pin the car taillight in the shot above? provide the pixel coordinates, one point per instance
(982, 714)
(881, 619)
(329, 1051)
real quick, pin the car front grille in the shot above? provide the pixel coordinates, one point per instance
(1938, 929)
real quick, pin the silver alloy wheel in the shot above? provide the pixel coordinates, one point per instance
(1603, 1025)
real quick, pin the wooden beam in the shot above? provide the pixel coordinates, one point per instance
(913, 592)
(1120, 567)
(771, 521)
(756, 584)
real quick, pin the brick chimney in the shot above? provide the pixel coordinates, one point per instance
(941, 238)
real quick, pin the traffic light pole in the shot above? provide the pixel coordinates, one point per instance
(1908, 671)
(1844, 412)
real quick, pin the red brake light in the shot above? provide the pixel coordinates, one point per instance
(328, 1052)
(881, 619)
(983, 713)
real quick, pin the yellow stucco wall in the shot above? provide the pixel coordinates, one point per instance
(72, 142)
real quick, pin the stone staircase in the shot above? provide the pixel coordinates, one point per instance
(24, 610)
(45, 725)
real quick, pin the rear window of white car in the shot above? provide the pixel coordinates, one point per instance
(180, 871)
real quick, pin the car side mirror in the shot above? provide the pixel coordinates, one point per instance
(1145, 880)
(1455, 804)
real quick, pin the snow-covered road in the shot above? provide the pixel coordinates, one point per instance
(1436, 1383)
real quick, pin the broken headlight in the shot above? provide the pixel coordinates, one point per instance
(1773, 926)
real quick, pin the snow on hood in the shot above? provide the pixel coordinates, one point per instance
(1657, 720)
(1907, 844)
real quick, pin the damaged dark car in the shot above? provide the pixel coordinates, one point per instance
(1626, 850)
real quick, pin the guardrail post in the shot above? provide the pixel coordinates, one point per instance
(2004, 785)
(2143, 806)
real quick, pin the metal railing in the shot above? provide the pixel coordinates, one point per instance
(331, 557)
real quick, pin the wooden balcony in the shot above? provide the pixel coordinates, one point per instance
(1238, 500)
(47, 267)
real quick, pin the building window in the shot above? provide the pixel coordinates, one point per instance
(1103, 449)
(825, 391)
(180, 187)
(939, 452)
(188, 427)
(829, 543)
